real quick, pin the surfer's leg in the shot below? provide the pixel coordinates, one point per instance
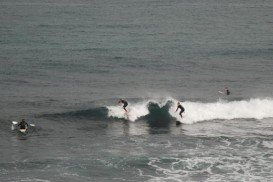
(124, 107)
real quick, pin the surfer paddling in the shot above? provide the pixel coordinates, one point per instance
(23, 124)
(226, 92)
(179, 106)
(125, 104)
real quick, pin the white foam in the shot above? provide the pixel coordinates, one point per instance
(197, 111)
(135, 110)
(253, 108)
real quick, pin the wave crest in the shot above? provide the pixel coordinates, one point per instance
(164, 111)
(196, 111)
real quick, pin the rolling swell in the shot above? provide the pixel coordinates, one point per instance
(152, 112)
(162, 112)
(94, 113)
(149, 110)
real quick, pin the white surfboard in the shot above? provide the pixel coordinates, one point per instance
(23, 130)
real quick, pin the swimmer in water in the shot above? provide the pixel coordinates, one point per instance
(23, 124)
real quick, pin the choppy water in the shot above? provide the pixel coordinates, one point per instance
(64, 64)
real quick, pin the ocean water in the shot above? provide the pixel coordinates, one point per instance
(64, 64)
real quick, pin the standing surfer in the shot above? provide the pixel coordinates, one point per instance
(125, 104)
(179, 106)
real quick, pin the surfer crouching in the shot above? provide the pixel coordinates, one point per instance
(125, 104)
(179, 106)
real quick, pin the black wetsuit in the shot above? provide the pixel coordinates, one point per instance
(182, 109)
(227, 92)
(23, 125)
(125, 103)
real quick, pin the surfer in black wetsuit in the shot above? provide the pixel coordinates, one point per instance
(227, 91)
(179, 106)
(23, 124)
(124, 102)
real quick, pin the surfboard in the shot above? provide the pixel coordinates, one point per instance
(23, 130)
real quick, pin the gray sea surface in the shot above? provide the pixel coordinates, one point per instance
(64, 64)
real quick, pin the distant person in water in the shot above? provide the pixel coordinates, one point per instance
(226, 92)
(179, 106)
(23, 124)
(125, 104)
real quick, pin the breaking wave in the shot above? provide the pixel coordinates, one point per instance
(198, 111)
(164, 111)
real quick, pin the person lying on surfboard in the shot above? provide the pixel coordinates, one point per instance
(179, 106)
(125, 104)
(23, 124)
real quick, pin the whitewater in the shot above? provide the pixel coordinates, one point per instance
(64, 64)
(256, 108)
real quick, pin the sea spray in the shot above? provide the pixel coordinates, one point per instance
(198, 111)
(164, 110)
(135, 110)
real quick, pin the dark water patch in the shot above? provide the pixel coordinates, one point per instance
(95, 113)
(262, 136)
(90, 49)
(158, 117)
(13, 81)
(120, 26)
(92, 128)
(61, 26)
(244, 52)
(29, 165)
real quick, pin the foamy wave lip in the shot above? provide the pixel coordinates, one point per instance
(198, 111)
(135, 110)
(253, 108)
